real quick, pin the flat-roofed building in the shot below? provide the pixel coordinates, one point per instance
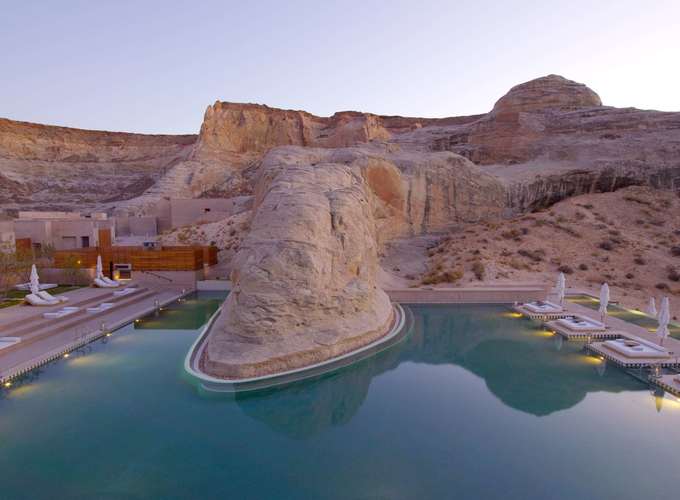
(7, 241)
(61, 230)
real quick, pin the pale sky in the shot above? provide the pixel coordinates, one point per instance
(153, 67)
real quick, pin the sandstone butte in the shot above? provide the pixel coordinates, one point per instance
(330, 192)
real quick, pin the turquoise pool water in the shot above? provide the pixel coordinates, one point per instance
(637, 317)
(473, 404)
(188, 313)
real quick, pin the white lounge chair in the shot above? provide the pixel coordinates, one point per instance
(51, 298)
(101, 307)
(110, 281)
(8, 341)
(43, 286)
(103, 284)
(64, 311)
(124, 291)
(34, 300)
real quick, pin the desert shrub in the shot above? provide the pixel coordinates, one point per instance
(673, 274)
(535, 255)
(635, 199)
(587, 206)
(630, 276)
(662, 286)
(579, 215)
(442, 276)
(639, 261)
(478, 269)
(675, 251)
(606, 245)
(517, 264)
(565, 269)
(510, 234)
(583, 267)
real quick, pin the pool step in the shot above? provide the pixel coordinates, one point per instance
(19, 328)
(73, 320)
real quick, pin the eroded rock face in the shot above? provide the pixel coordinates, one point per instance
(305, 275)
(44, 166)
(548, 92)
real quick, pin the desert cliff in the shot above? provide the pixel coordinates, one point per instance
(334, 196)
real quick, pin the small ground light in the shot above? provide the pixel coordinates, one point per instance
(66, 355)
(8, 384)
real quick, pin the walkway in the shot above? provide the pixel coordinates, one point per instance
(41, 339)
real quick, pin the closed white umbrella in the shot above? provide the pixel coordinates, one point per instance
(651, 308)
(35, 282)
(664, 319)
(100, 269)
(604, 301)
(561, 287)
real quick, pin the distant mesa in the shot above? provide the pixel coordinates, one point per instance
(549, 92)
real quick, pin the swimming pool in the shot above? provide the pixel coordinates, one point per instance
(473, 404)
(636, 317)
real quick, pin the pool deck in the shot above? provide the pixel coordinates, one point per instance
(45, 339)
(616, 328)
(668, 383)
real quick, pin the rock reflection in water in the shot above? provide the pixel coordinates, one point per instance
(526, 372)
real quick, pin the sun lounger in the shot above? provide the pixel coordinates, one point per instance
(124, 292)
(51, 298)
(542, 307)
(103, 284)
(101, 307)
(34, 300)
(110, 281)
(637, 348)
(64, 311)
(43, 286)
(581, 324)
(8, 341)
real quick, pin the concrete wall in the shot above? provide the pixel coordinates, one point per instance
(182, 278)
(191, 211)
(63, 234)
(136, 226)
(213, 285)
(7, 240)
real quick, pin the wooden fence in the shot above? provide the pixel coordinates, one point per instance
(163, 259)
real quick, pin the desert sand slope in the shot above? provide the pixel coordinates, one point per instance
(629, 238)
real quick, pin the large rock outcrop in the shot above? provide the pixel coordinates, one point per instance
(305, 286)
(305, 276)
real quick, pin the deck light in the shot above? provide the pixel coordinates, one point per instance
(8, 384)
(66, 355)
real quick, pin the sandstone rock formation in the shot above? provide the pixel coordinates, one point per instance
(331, 191)
(45, 166)
(305, 275)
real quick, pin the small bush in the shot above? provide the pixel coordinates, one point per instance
(606, 245)
(662, 286)
(535, 255)
(675, 251)
(478, 270)
(639, 261)
(630, 276)
(583, 267)
(510, 234)
(565, 269)
(673, 275)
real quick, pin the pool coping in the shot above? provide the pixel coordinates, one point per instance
(216, 384)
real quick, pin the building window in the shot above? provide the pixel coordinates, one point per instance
(85, 241)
